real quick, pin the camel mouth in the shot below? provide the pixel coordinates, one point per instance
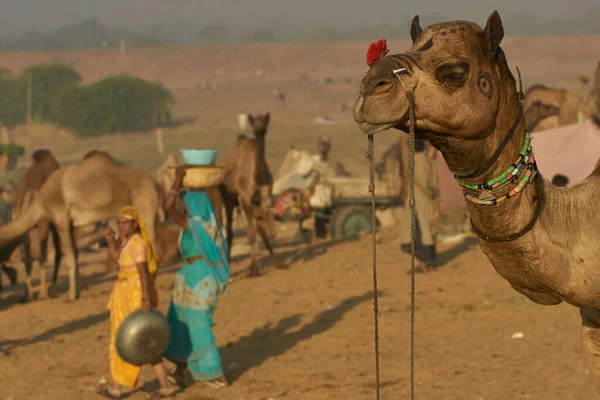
(419, 133)
(371, 129)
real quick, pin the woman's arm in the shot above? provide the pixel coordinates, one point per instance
(144, 279)
(113, 250)
(172, 197)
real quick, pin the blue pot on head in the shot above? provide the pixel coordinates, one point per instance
(192, 157)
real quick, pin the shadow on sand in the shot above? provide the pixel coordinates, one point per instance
(301, 252)
(69, 327)
(450, 254)
(271, 341)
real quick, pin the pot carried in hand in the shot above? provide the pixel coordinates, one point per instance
(143, 338)
(201, 172)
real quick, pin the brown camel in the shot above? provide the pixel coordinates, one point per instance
(543, 240)
(571, 106)
(68, 201)
(249, 179)
(538, 111)
(44, 164)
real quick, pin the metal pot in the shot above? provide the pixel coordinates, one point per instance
(143, 338)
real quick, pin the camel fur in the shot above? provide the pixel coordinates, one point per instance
(68, 201)
(466, 102)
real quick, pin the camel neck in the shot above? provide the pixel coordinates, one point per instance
(260, 160)
(260, 147)
(512, 215)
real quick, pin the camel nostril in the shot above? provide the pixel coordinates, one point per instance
(381, 84)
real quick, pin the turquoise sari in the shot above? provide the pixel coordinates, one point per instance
(196, 289)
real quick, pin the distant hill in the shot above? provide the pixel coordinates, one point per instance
(91, 33)
(87, 34)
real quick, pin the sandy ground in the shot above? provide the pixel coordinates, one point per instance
(307, 332)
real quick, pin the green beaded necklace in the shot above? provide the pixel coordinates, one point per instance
(525, 162)
(507, 176)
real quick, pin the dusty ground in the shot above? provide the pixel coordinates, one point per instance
(307, 333)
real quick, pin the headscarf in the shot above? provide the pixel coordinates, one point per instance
(132, 214)
(204, 227)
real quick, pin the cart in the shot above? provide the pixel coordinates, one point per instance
(340, 206)
(349, 209)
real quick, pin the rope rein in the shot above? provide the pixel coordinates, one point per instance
(413, 230)
(413, 234)
(371, 157)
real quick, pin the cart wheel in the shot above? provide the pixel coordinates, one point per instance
(349, 220)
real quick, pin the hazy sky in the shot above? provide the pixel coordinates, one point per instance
(17, 16)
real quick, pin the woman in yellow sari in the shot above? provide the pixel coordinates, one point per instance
(134, 257)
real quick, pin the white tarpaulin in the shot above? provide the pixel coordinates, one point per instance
(571, 150)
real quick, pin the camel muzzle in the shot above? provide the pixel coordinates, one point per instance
(383, 102)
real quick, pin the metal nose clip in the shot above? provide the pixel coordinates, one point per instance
(397, 71)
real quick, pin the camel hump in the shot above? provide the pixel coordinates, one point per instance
(99, 155)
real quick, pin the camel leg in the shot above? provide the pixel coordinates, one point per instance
(28, 263)
(278, 263)
(44, 230)
(590, 341)
(251, 239)
(69, 252)
(229, 203)
(57, 259)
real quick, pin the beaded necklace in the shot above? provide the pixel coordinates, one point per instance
(524, 163)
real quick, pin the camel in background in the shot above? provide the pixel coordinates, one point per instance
(44, 164)
(537, 112)
(248, 181)
(572, 108)
(68, 201)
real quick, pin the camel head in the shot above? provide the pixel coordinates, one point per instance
(259, 124)
(542, 110)
(44, 158)
(464, 93)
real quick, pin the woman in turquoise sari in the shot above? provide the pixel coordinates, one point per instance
(203, 276)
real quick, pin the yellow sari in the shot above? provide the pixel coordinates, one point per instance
(125, 298)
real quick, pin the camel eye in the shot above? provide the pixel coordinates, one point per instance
(453, 75)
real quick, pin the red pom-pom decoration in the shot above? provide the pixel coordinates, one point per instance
(377, 50)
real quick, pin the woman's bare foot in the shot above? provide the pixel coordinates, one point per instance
(164, 392)
(110, 391)
(218, 383)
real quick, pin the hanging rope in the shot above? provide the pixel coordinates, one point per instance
(413, 234)
(413, 230)
(371, 157)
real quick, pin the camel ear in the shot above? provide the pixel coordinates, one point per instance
(494, 32)
(250, 119)
(267, 117)
(415, 29)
